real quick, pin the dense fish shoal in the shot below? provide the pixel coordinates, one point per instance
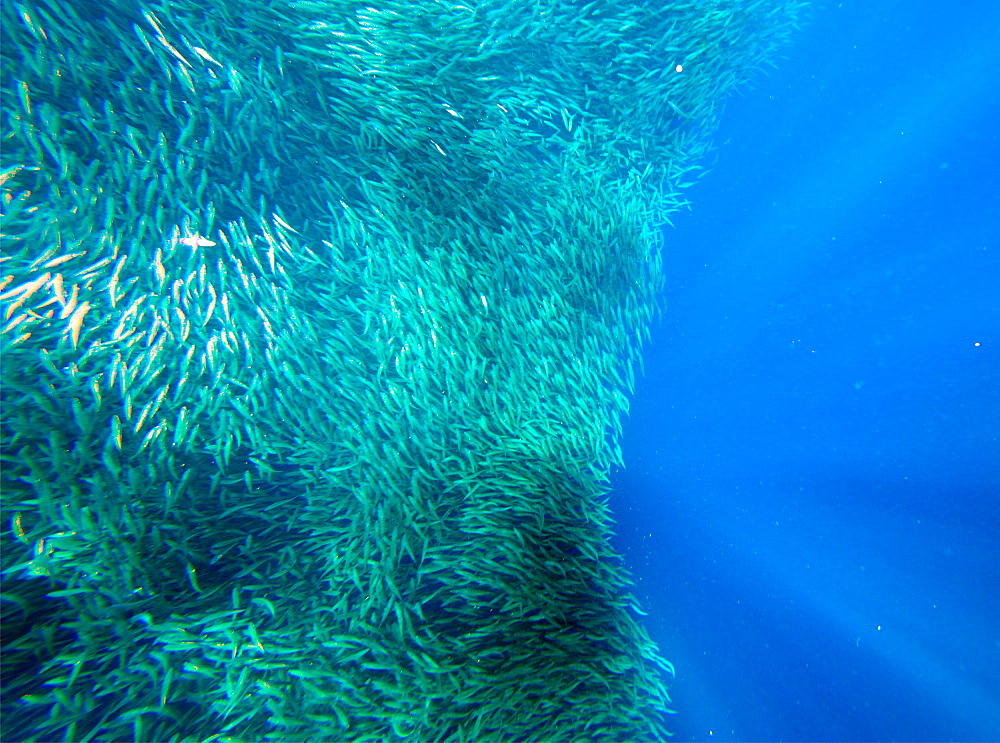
(318, 323)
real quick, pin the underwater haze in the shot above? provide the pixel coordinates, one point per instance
(811, 497)
(320, 324)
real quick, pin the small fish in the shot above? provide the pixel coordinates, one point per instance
(205, 55)
(76, 322)
(196, 241)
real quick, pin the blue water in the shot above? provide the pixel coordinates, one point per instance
(811, 499)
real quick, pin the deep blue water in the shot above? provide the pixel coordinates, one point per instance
(811, 499)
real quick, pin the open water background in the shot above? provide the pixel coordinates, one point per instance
(811, 499)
